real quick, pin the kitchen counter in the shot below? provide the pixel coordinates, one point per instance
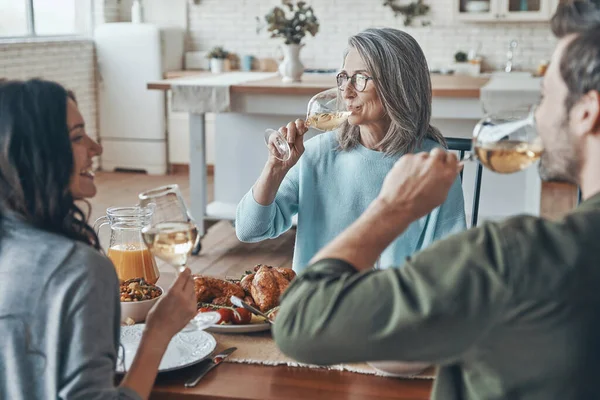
(443, 85)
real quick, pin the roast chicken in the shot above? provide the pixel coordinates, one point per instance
(266, 285)
(261, 288)
(216, 291)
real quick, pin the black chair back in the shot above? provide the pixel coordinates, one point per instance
(463, 146)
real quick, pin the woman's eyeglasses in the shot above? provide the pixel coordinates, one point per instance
(358, 81)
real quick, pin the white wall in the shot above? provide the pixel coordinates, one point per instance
(232, 23)
(217, 22)
(71, 63)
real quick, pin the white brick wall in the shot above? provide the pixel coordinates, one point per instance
(232, 23)
(71, 63)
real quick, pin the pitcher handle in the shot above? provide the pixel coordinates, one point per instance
(99, 223)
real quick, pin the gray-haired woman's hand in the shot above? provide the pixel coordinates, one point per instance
(266, 187)
(293, 132)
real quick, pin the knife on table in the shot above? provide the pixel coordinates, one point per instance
(213, 362)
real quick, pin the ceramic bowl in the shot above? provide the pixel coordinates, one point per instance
(138, 310)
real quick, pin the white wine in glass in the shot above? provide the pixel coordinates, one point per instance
(507, 142)
(172, 242)
(324, 113)
(508, 156)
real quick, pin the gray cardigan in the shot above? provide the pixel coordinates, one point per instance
(59, 317)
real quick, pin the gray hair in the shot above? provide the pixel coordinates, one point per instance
(401, 77)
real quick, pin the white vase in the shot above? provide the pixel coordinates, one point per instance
(217, 65)
(291, 69)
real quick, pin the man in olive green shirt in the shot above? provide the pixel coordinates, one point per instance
(507, 310)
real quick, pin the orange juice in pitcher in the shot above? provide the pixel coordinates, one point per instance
(126, 249)
(133, 260)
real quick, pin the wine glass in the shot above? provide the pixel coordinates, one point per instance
(167, 204)
(325, 112)
(172, 242)
(507, 141)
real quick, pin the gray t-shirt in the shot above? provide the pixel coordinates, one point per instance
(59, 317)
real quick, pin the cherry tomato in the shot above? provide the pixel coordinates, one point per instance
(204, 309)
(241, 316)
(226, 315)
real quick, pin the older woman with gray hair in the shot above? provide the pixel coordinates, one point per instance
(331, 179)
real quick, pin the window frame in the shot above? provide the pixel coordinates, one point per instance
(32, 35)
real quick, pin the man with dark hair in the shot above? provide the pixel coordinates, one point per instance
(508, 310)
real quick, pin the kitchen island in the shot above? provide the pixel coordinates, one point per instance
(258, 101)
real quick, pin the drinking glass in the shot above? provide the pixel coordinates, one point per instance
(324, 113)
(168, 205)
(507, 142)
(172, 242)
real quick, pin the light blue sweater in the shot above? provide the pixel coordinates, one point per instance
(329, 189)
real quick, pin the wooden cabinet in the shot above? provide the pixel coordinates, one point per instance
(504, 10)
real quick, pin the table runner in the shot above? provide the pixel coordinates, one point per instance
(209, 94)
(259, 348)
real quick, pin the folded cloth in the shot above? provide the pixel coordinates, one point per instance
(209, 94)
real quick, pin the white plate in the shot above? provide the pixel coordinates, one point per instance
(186, 348)
(239, 328)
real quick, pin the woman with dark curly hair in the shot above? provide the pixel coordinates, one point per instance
(59, 304)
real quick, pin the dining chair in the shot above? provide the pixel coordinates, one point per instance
(463, 146)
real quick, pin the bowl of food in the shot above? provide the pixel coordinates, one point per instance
(137, 298)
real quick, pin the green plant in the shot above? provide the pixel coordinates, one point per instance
(410, 11)
(460, 56)
(291, 24)
(218, 52)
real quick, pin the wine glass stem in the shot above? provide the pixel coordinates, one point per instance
(180, 268)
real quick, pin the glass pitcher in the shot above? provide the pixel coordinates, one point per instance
(127, 249)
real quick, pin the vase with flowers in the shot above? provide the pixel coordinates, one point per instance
(292, 22)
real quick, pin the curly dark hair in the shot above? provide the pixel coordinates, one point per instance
(36, 159)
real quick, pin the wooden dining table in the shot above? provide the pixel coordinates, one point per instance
(244, 381)
(234, 381)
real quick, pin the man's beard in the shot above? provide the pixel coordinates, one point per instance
(561, 162)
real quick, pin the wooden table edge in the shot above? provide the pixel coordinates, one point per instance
(268, 382)
(309, 91)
